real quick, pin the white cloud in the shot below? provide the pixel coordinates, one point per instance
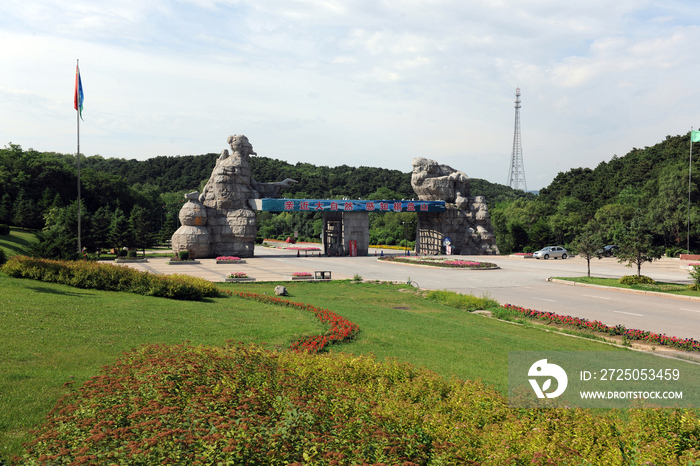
(357, 81)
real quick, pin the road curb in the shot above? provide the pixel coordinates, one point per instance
(625, 290)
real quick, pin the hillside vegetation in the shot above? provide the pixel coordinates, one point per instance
(121, 195)
(645, 190)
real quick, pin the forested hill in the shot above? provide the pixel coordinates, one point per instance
(646, 188)
(168, 173)
(637, 174)
(187, 173)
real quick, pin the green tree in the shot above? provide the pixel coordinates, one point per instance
(612, 220)
(6, 209)
(139, 220)
(588, 242)
(637, 244)
(119, 232)
(25, 213)
(100, 225)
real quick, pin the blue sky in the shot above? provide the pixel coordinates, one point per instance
(364, 82)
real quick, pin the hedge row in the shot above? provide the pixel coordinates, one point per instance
(108, 277)
(245, 405)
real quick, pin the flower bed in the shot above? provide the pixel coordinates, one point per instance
(341, 329)
(239, 277)
(299, 276)
(229, 260)
(687, 344)
(435, 262)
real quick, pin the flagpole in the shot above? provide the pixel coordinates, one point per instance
(690, 168)
(77, 118)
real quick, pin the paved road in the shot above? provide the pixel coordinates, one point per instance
(519, 281)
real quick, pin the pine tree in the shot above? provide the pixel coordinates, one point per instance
(119, 233)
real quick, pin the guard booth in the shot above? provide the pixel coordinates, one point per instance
(342, 228)
(345, 220)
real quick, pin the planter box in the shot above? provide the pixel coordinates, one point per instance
(241, 261)
(127, 261)
(183, 262)
(690, 257)
(291, 277)
(521, 257)
(247, 279)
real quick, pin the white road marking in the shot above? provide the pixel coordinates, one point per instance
(690, 310)
(544, 299)
(629, 313)
(591, 296)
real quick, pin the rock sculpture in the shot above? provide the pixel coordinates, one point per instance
(221, 217)
(466, 221)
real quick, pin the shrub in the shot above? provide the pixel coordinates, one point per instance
(381, 241)
(695, 275)
(390, 241)
(183, 255)
(131, 254)
(108, 277)
(636, 280)
(529, 249)
(122, 253)
(467, 302)
(244, 405)
(4, 229)
(3, 256)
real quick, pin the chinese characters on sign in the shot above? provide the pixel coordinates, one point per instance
(327, 205)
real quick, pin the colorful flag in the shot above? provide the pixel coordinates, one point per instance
(695, 136)
(78, 98)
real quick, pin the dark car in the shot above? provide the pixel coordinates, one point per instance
(607, 251)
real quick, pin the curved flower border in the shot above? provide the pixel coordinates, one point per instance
(687, 344)
(341, 329)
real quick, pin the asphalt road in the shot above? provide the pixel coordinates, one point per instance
(524, 282)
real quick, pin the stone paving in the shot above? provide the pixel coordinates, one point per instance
(263, 268)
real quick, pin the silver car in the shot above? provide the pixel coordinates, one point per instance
(551, 251)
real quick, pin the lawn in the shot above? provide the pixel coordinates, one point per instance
(661, 287)
(17, 242)
(423, 332)
(55, 334)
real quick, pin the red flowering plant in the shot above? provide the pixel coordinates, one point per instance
(687, 344)
(341, 329)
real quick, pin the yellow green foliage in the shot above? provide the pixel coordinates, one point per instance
(91, 275)
(468, 302)
(246, 405)
(636, 280)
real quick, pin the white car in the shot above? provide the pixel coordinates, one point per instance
(551, 251)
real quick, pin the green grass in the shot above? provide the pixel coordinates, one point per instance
(52, 334)
(413, 329)
(17, 242)
(661, 287)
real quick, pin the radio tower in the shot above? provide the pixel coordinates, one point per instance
(516, 171)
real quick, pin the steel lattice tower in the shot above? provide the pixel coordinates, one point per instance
(516, 171)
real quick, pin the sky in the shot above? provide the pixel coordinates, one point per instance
(356, 82)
